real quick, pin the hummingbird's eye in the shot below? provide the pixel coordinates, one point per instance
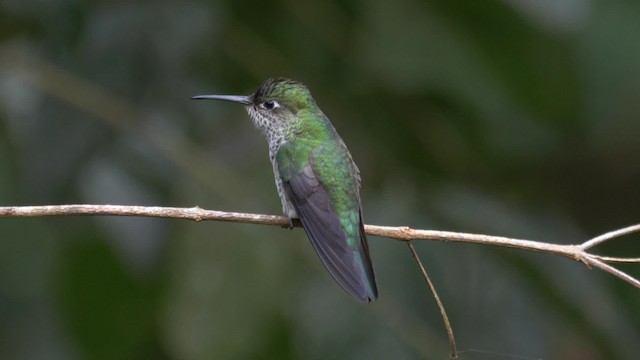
(270, 105)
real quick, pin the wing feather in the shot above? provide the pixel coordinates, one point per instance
(349, 265)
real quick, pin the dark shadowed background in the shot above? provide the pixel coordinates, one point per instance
(516, 118)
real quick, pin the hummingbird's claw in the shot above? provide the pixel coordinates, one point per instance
(290, 225)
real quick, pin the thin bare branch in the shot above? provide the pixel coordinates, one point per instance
(194, 213)
(610, 235)
(575, 252)
(406, 234)
(443, 312)
(616, 259)
(591, 261)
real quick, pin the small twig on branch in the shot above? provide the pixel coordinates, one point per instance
(610, 235)
(616, 259)
(575, 252)
(436, 297)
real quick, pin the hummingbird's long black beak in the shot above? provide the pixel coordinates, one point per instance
(245, 100)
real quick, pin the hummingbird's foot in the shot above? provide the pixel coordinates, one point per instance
(289, 226)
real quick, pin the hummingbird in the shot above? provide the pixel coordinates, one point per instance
(316, 178)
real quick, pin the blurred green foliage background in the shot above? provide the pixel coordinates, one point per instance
(515, 117)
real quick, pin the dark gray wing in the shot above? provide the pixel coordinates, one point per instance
(349, 266)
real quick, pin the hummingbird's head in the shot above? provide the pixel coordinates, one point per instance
(275, 106)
